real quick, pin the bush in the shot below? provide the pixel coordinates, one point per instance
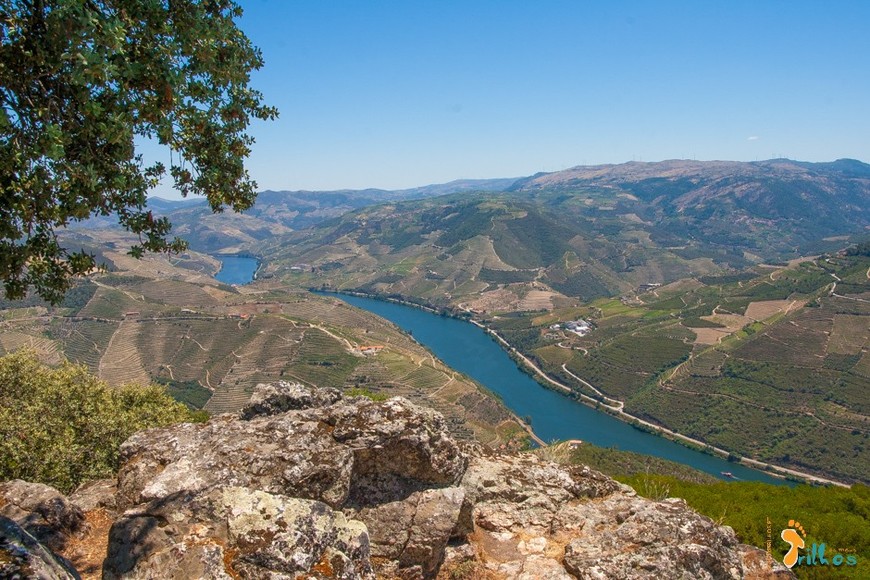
(64, 426)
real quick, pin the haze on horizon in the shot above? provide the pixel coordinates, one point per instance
(396, 96)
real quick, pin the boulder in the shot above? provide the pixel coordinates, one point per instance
(96, 494)
(272, 399)
(315, 453)
(22, 556)
(533, 519)
(44, 512)
(236, 532)
(414, 531)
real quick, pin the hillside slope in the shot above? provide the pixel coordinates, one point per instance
(159, 319)
(770, 365)
(582, 233)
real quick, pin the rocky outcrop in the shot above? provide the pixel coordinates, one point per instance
(307, 484)
(22, 556)
(42, 511)
(324, 453)
(233, 532)
(283, 396)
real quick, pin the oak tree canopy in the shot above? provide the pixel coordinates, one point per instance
(80, 82)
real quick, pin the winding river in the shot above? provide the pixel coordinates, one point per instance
(470, 350)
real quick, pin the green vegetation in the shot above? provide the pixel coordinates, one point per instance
(862, 249)
(64, 426)
(622, 464)
(740, 364)
(191, 393)
(507, 276)
(358, 392)
(838, 517)
(82, 82)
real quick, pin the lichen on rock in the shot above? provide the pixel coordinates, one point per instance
(309, 484)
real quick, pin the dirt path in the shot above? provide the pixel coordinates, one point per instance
(615, 404)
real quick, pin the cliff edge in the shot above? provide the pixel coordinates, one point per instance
(306, 483)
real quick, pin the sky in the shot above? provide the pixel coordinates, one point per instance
(401, 94)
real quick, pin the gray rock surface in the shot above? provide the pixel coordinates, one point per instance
(414, 531)
(235, 532)
(100, 493)
(22, 556)
(42, 511)
(315, 453)
(312, 485)
(272, 399)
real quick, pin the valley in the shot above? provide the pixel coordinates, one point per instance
(704, 316)
(169, 321)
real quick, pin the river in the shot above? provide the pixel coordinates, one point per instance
(236, 269)
(469, 349)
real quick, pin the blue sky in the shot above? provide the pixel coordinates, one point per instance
(400, 94)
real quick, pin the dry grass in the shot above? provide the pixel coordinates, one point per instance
(850, 334)
(537, 300)
(764, 309)
(88, 550)
(709, 335)
(495, 300)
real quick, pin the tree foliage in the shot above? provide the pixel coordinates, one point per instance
(64, 426)
(80, 82)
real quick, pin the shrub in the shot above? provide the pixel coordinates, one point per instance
(63, 426)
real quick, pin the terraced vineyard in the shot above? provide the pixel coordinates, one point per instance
(774, 367)
(84, 341)
(11, 341)
(212, 345)
(121, 363)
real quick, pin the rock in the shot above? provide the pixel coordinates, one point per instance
(22, 556)
(236, 532)
(634, 537)
(272, 399)
(42, 511)
(536, 519)
(522, 492)
(759, 565)
(398, 439)
(286, 454)
(414, 532)
(309, 484)
(314, 453)
(99, 493)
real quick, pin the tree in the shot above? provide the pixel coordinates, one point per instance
(65, 426)
(80, 81)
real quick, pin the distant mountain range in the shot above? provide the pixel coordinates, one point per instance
(583, 232)
(280, 212)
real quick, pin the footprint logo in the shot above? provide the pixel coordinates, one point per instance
(794, 534)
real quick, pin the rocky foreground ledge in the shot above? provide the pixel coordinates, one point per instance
(305, 483)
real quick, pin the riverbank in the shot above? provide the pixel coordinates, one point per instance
(528, 428)
(620, 413)
(610, 407)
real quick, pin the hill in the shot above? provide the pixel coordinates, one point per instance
(279, 212)
(167, 320)
(771, 364)
(576, 235)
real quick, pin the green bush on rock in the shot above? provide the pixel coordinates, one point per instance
(63, 426)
